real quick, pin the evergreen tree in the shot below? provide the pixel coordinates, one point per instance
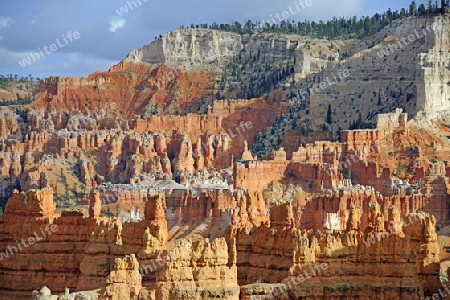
(430, 6)
(413, 8)
(379, 103)
(329, 119)
(334, 28)
(421, 11)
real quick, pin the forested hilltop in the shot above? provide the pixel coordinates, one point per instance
(336, 28)
(17, 90)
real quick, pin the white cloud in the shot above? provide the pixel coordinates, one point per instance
(6, 22)
(116, 23)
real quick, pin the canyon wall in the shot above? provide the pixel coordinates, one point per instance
(406, 66)
(433, 93)
(70, 250)
(190, 48)
(310, 263)
(198, 271)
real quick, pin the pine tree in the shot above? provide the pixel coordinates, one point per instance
(413, 8)
(422, 10)
(430, 6)
(329, 119)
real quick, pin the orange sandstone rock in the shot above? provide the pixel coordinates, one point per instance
(124, 282)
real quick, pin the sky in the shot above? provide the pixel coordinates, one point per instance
(80, 37)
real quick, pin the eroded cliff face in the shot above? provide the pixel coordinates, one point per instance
(90, 149)
(396, 163)
(254, 249)
(405, 66)
(211, 50)
(264, 239)
(194, 49)
(85, 248)
(93, 251)
(310, 263)
(193, 271)
(125, 281)
(359, 216)
(433, 92)
(128, 89)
